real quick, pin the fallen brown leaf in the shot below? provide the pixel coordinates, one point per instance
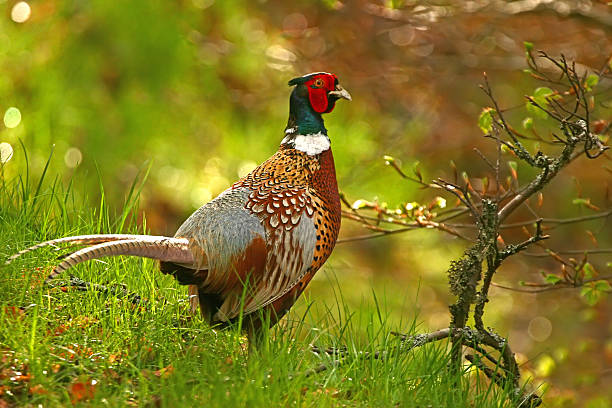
(38, 389)
(82, 390)
(164, 372)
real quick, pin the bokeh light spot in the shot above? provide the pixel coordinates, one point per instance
(12, 117)
(402, 36)
(295, 23)
(6, 152)
(20, 13)
(281, 58)
(246, 167)
(539, 328)
(280, 53)
(172, 177)
(73, 157)
(200, 196)
(423, 50)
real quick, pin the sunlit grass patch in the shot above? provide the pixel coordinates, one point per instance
(136, 343)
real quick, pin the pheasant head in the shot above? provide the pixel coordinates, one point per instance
(314, 94)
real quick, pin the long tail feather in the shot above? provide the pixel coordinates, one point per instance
(161, 248)
(80, 240)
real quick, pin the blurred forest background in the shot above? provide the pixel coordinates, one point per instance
(197, 89)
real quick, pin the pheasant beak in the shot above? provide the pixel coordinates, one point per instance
(340, 92)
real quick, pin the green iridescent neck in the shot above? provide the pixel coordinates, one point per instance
(303, 120)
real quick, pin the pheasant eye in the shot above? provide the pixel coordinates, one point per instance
(318, 83)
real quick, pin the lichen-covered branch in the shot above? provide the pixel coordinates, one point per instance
(471, 276)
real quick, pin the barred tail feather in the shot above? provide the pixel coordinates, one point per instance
(155, 247)
(80, 240)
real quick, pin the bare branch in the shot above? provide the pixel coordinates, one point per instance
(510, 250)
(570, 252)
(540, 288)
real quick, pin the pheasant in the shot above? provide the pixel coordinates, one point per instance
(252, 250)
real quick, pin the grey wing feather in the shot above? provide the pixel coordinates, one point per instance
(221, 229)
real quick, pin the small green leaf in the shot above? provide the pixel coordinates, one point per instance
(542, 92)
(587, 294)
(528, 123)
(580, 201)
(528, 46)
(534, 110)
(602, 285)
(417, 171)
(591, 81)
(485, 120)
(591, 294)
(553, 279)
(539, 97)
(589, 271)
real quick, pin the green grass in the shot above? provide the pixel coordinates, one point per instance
(59, 347)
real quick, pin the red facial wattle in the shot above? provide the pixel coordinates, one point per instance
(318, 99)
(318, 87)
